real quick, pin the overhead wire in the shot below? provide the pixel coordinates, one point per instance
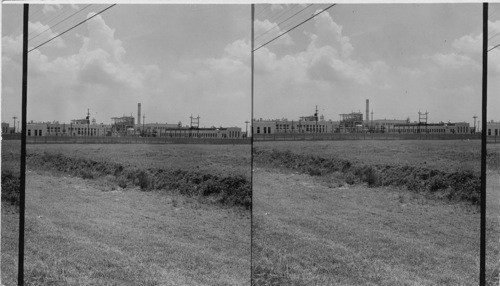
(294, 27)
(37, 11)
(48, 22)
(74, 26)
(494, 47)
(493, 36)
(51, 27)
(278, 25)
(263, 9)
(494, 12)
(280, 14)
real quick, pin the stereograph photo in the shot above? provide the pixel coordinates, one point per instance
(250, 143)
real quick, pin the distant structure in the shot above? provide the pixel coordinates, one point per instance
(493, 128)
(126, 126)
(122, 125)
(351, 122)
(355, 123)
(367, 117)
(6, 129)
(139, 113)
(305, 124)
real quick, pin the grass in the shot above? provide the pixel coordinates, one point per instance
(105, 219)
(229, 190)
(458, 185)
(76, 234)
(305, 233)
(222, 160)
(453, 155)
(372, 213)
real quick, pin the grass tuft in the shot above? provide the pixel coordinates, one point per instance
(228, 190)
(452, 185)
(10, 187)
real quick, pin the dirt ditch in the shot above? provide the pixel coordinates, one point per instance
(454, 185)
(230, 190)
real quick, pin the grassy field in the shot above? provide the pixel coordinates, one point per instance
(449, 154)
(213, 159)
(89, 230)
(310, 231)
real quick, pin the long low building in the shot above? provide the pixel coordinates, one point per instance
(493, 128)
(63, 129)
(278, 126)
(151, 130)
(271, 126)
(176, 131)
(432, 128)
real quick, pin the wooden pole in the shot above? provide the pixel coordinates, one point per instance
(22, 185)
(482, 263)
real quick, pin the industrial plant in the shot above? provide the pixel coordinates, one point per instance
(128, 126)
(354, 122)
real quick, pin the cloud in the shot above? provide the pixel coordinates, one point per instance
(328, 57)
(329, 33)
(41, 33)
(97, 70)
(455, 61)
(51, 8)
(266, 30)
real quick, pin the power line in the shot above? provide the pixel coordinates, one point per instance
(494, 47)
(493, 36)
(314, 15)
(37, 11)
(282, 13)
(72, 28)
(61, 21)
(264, 9)
(48, 22)
(494, 12)
(277, 25)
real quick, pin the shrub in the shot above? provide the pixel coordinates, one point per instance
(10, 187)
(372, 177)
(143, 180)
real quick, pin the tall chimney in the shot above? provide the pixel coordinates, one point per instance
(139, 113)
(367, 118)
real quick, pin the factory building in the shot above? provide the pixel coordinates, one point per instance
(493, 128)
(63, 129)
(126, 126)
(270, 126)
(6, 129)
(432, 128)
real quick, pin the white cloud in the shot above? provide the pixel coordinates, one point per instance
(277, 7)
(328, 57)
(42, 33)
(455, 61)
(469, 44)
(51, 8)
(266, 30)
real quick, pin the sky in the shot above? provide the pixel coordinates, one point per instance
(183, 60)
(176, 60)
(404, 58)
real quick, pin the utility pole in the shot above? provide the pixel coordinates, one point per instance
(143, 120)
(14, 123)
(482, 261)
(252, 12)
(22, 180)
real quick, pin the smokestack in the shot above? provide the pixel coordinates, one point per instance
(139, 113)
(367, 118)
